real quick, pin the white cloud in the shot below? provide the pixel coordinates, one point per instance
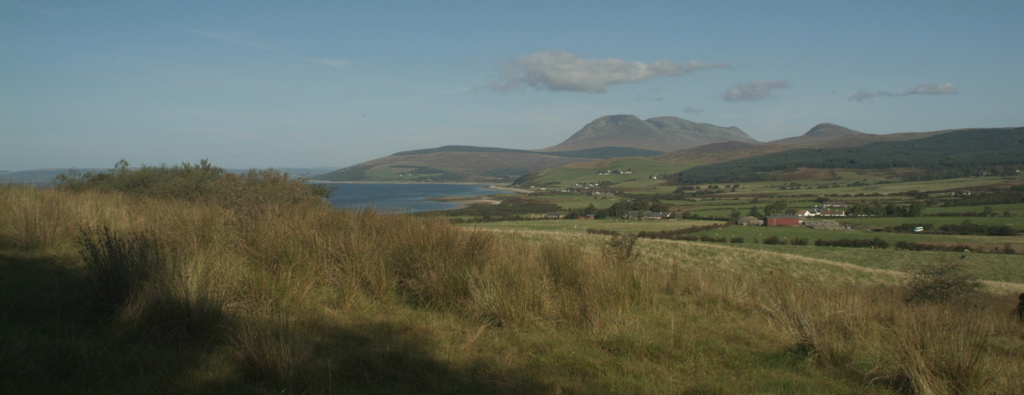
(921, 89)
(563, 71)
(757, 90)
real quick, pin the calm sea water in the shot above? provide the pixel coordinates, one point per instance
(405, 198)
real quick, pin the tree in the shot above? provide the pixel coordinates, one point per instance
(916, 209)
(778, 207)
(754, 212)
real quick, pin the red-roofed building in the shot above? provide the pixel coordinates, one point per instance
(782, 220)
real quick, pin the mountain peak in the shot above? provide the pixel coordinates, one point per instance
(663, 134)
(830, 130)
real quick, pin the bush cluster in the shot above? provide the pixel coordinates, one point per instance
(510, 209)
(912, 246)
(968, 228)
(876, 242)
(680, 234)
(254, 189)
(944, 282)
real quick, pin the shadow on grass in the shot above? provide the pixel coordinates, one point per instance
(376, 357)
(50, 342)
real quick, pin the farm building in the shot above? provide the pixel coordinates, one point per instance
(656, 215)
(832, 213)
(750, 221)
(827, 224)
(783, 220)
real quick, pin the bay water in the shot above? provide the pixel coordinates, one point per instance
(403, 198)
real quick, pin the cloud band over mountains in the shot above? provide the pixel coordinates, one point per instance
(922, 89)
(563, 71)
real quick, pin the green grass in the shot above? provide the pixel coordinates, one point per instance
(581, 226)
(989, 267)
(584, 173)
(1016, 222)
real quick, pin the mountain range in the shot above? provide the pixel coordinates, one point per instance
(607, 137)
(663, 139)
(668, 142)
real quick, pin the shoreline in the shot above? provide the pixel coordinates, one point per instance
(476, 200)
(478, 197)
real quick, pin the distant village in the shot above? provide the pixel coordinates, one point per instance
(816, 217)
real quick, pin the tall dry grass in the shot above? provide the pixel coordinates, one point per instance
(281, 286)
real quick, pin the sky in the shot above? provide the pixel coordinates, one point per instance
(255, 84)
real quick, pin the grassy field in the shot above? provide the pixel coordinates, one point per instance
(581, 226)
(110, 292)
(586, 173)
(809, 181)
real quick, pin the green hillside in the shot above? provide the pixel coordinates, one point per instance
(609, 152)
(452, 164)
(458, 148)
(954, 154)
(597, 153)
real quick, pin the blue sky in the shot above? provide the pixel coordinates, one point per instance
(335, 83)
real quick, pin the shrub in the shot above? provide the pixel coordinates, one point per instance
(944, 282)
(621, 247)
(736, 240)
(772, 240)
(680, 234)
(253, 190)
(117, 266)
(876, 242)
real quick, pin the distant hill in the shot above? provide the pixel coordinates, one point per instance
(614, 136)
(663, 134)
(598, 153)
(827, 135)
(721, 152)
(37, 176)
(941, 154)
(46, 175)
(452, 163)
(668, 142)
(608, 152)
(822, 133)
